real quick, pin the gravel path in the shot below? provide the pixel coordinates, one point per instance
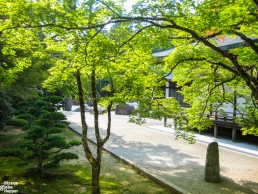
(174, 162)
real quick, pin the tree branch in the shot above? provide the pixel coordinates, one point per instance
(224, 66)
(180, 37)
(248, 41)
(109, 8)
(250, 81)
(64, 27)
(171, 70)
(109, 124)
(85, 144)
(86, 46)
(210, 91)
(132, 37)
(95, 105)
(54, 152)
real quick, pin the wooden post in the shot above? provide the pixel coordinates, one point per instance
(234, 117)
(215, 130)
(166, 96)
(175, 124)
(215, 133)
(216, 115)
(165, 121)
(233, 134)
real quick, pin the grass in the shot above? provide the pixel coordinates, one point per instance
(72, 176)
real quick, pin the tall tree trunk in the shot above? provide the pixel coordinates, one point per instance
(40, 168)
(97, 163)
(40, 160)
(94, 161)
(95, 186)
(89, 155)
(95, 169)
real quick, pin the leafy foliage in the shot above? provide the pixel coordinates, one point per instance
(215, 56)
(17, 122)
(5, 109)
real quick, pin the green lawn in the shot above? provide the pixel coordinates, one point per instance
(73, 176)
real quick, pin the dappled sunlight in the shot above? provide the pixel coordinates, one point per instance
(114, 145)
(108, 183)
(175, 171)
(26, 181)
(82, 175)
(176, 161)
(122, 169)
(156, 162)
(169, 162)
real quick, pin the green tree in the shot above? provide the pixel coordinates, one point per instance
(211, 75)
(44, 143)
(20, 57)
(23, 62)
(92, 55)
(20, 48)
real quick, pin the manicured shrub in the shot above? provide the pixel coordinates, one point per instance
(44, 141)
(27, 117)
(17, 122)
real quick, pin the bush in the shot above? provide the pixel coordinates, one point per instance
(56, 101)
(44, 141)
(53, 99)
(18, 122)
(24, 116)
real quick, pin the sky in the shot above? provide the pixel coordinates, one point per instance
(128, 5)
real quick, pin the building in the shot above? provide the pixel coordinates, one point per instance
(228, 121)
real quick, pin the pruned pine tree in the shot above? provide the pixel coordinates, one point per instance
(44, 145)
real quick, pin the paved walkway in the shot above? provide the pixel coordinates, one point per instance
(154, 150)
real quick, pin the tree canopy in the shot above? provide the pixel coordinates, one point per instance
(68, 35)
(211, 75)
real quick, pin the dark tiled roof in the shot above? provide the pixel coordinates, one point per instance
(224, 44)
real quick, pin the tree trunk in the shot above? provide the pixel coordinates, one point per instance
(40, 167)
(95, 164)
(95, 176)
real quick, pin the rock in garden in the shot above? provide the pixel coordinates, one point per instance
(212, 167)
(124, 109)
(68, 102)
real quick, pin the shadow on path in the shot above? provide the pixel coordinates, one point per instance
(170, 166)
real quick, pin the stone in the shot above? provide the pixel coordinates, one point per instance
(124, 109)
(212, 166)
(68, 102)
